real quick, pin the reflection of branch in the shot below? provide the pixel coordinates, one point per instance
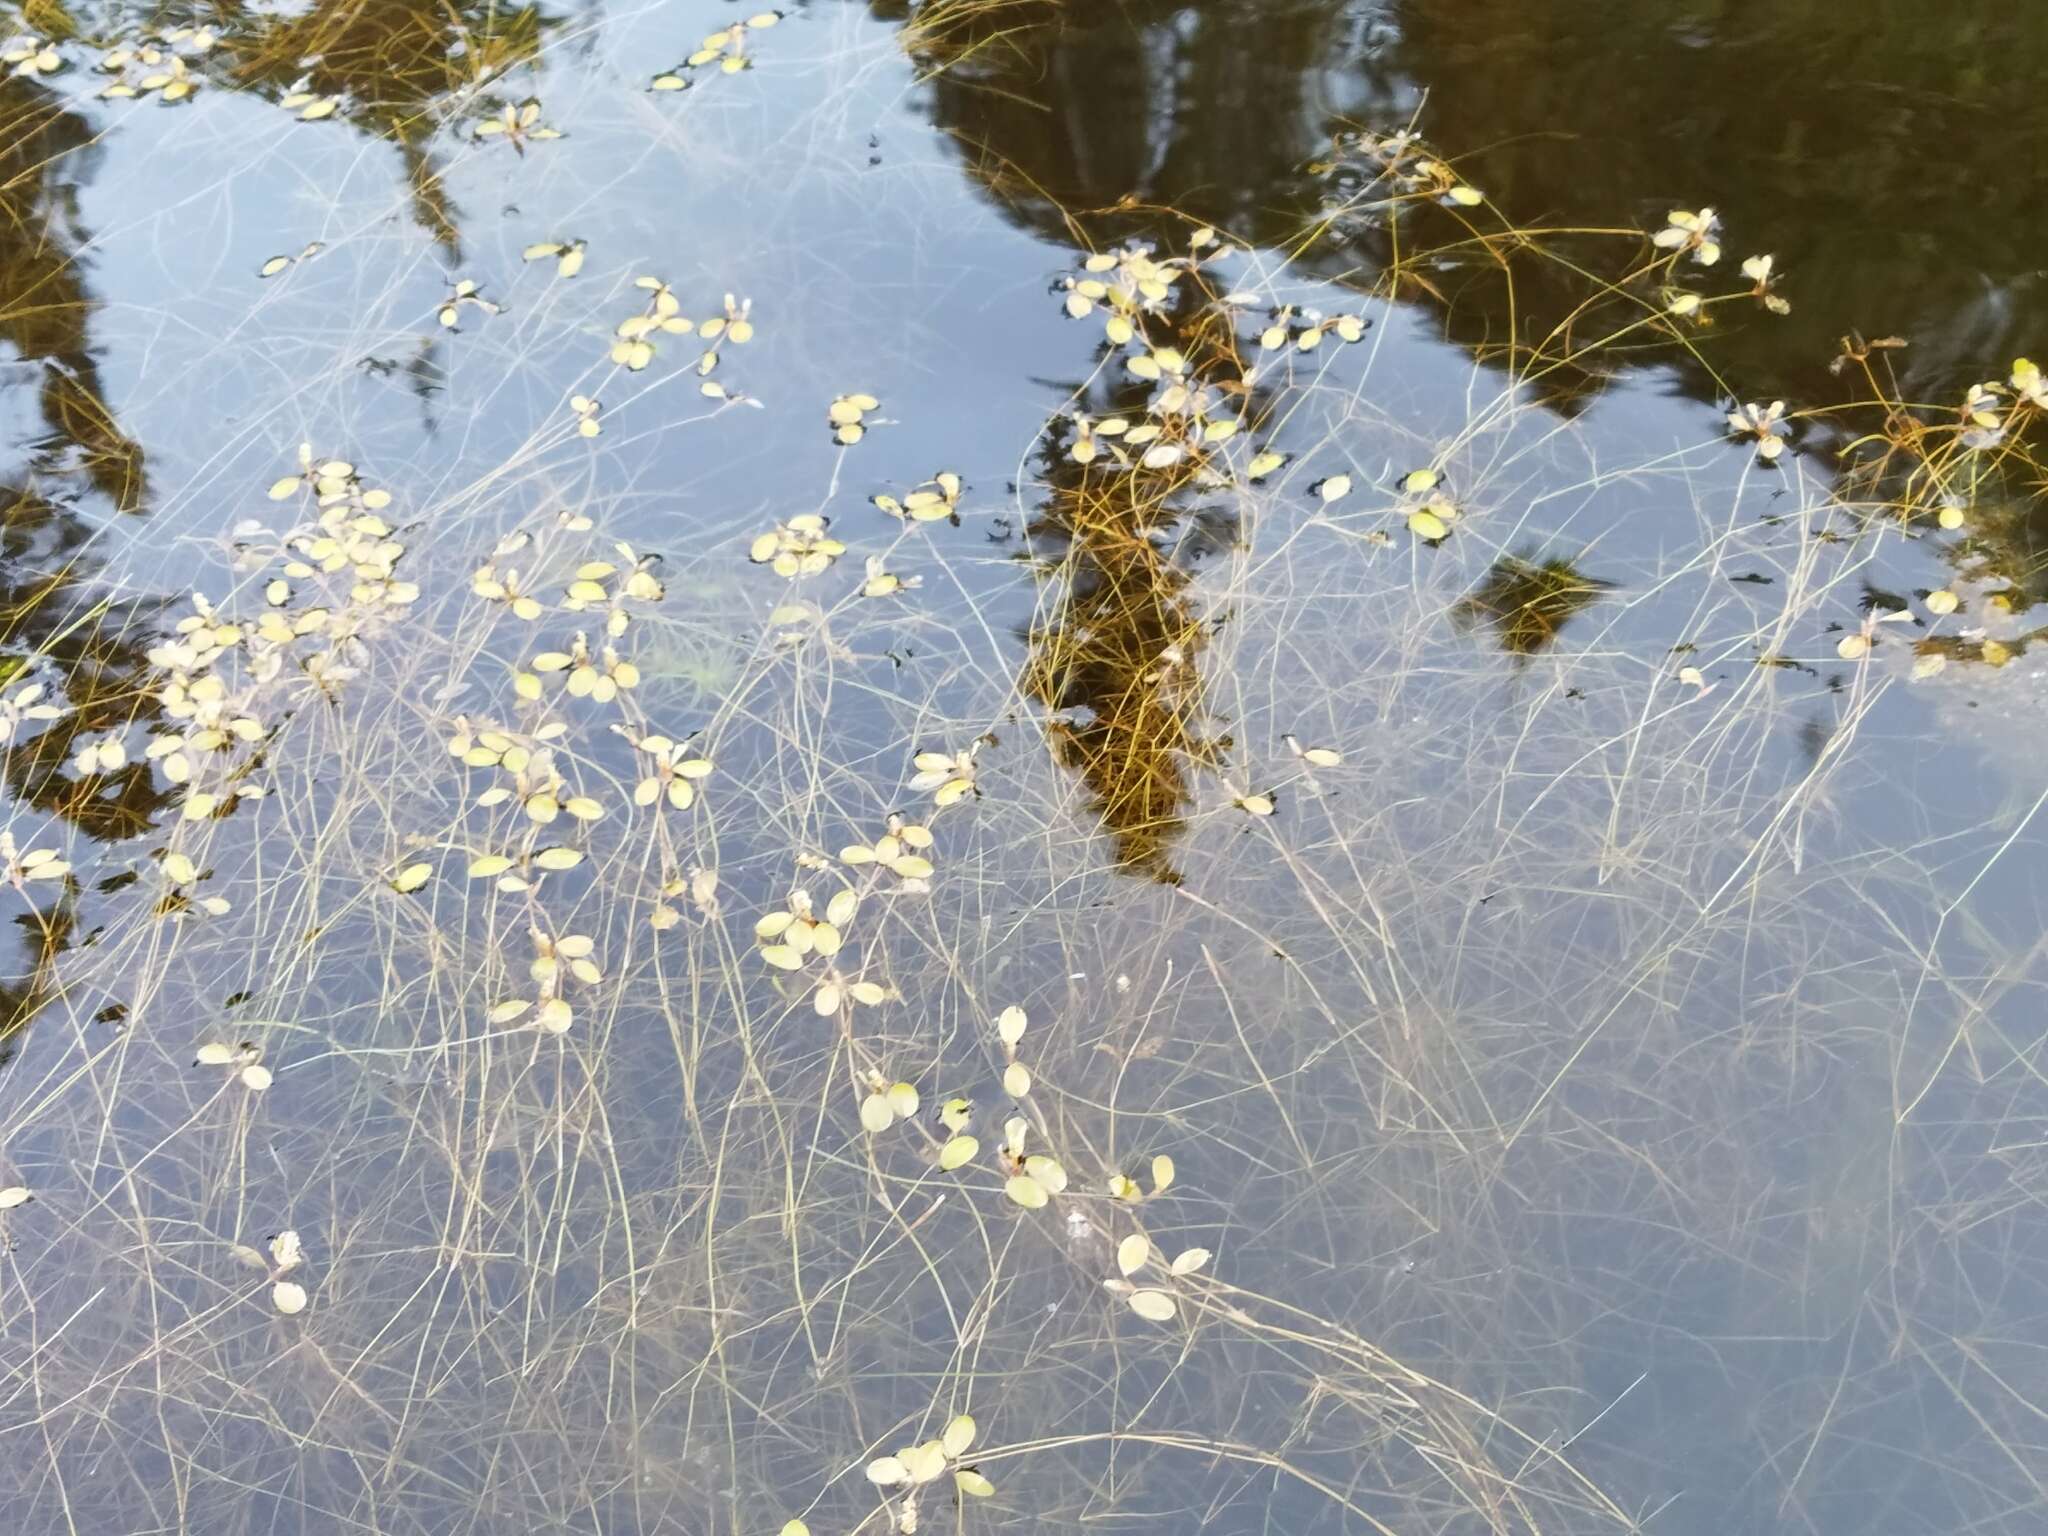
(1145, 102)
(1115, 665)
(22, 997)
(1529, 601)
(98, 652)
(430, 203)
(397, 65)
(45, 309)
(73, 406)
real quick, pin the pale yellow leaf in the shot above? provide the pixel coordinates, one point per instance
(1043, 1170)
(1154, 1306)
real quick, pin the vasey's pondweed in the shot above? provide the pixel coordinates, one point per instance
(1008, 765)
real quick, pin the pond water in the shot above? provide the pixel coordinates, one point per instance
(730, 734)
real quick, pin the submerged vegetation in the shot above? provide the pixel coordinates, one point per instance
(740, 906)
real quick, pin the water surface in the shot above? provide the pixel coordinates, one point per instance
(1606, 1082)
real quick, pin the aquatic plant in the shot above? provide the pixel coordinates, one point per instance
(475, 1083)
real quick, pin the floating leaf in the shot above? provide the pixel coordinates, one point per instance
(958, 1152)
(1044, 1171)
(971, 1482)
(249, 1257)
(887, 1472)
(1028, 1193)
(14, 1195)
(1162, 1174)
(1188, 1260)
(1425, 524)
(289, 1297)
(412, 877)
(959, 1436)
(923, 1462)
(1016, 1080)
(1010, 1025)
(287, 1252)
(1133, 1253)
(1154, 1306)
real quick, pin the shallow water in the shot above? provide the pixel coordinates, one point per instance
(1610, 1097)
